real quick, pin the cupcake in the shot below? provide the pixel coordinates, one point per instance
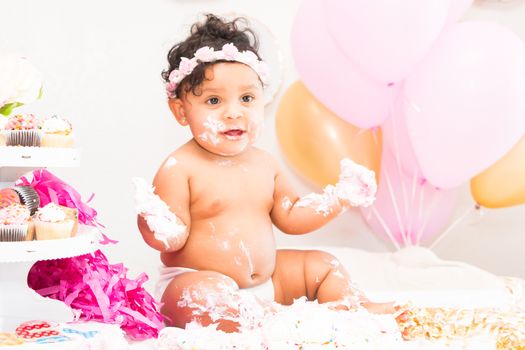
(8, 196)
(57, 132)
(52, 222)
(3, 123)
(15, 223)
(22, 130)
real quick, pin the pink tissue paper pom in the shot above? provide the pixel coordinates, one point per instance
(100, 291)
(52, 189)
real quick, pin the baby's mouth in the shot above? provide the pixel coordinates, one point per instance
(234, 134)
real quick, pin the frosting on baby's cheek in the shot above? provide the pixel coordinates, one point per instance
(256, 126)
(213, 128)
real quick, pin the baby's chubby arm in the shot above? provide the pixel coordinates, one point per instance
(294, 215)
(163, 214)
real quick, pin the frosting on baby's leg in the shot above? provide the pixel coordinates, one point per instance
(223, 301)
(165, 225)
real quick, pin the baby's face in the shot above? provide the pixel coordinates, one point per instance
(226, 115)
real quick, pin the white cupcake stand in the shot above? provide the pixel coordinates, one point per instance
(18, 302)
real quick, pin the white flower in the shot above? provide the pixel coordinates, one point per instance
(20, 81)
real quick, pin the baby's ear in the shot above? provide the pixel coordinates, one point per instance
(177, 109)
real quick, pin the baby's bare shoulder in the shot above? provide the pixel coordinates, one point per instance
(177, 162)
(265, 156)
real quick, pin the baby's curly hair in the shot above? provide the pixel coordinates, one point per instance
(213, 32)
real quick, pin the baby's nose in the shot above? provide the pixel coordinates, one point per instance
(233, 114)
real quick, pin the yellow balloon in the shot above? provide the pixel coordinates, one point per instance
(314, 139)
(503, 184)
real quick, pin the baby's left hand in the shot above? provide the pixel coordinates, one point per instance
(356, 186)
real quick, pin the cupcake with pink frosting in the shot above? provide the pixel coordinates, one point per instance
(53, 222)
(22, 130)
(15, 223)
(56, 132)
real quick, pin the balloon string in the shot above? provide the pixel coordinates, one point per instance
(413, 206)
(421, 201)
(453, 225)
(385, 227)
(397, 153)
(374, 135)
(429, 211)
(396, 207)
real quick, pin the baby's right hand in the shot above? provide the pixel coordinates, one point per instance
(168, 230)
(165, 225)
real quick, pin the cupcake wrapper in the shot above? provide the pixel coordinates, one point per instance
(13, 233)
(57, 140)
(54, 230)
(29, 197)
(23, 138)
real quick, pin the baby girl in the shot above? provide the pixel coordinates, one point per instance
(217, 197)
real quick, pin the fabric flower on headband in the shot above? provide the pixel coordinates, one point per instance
(207, 54)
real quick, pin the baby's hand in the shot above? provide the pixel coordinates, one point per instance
(356, 186)
(165, 225)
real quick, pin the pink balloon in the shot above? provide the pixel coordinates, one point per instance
(330, 76)
(465, 105)
(457, 9)
(397, 141)
(405, 209)
(385, 38)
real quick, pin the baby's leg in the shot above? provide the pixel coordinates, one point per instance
(318, 275)
(202, 296)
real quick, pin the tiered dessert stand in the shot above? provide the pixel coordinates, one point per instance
(18, 302)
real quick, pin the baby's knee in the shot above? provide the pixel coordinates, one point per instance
(194, 295)
(197, 285)
(323, 258)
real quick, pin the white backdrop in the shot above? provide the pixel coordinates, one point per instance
(101, 61)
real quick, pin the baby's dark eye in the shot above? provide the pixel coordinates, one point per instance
(212, 101)
(247, 98)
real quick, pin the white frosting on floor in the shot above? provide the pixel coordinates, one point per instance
(412, 274)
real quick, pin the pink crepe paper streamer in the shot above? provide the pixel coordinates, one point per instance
(52, 189)
(100, 292)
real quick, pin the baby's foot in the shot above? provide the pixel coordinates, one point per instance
(379, 308)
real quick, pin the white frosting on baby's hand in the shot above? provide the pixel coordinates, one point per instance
(321, 202)
(356, 185)
(164, 224)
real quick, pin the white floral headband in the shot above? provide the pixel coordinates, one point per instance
(229, 52)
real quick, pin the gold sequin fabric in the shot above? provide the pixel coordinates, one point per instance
(505, 324)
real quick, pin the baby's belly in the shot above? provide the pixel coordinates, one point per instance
(243, 250)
